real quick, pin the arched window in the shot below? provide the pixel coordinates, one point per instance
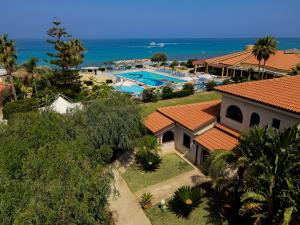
(168, 136)
(254, 120)
(234, 113)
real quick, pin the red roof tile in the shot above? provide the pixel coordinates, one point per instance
(192, 116)
(283, 93)
(227, 130)
(156, 122)
(215, 139)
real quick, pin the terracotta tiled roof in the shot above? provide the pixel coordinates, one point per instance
(283, 93)
(282, 60)
(192, 116)
(227, 130)
(199, 62)
(156, 122)
(215, 139)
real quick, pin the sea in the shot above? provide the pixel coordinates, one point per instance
(100, 51)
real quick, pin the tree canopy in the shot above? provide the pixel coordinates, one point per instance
(159, 58)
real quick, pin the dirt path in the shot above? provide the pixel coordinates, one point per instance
(125, 207)
(166, 189)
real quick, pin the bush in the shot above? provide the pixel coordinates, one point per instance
(146, 144)
(149, 95)
(174, 64)
(189, 87)
(139, 66)
(88, 82)
(167, 92)
(146, 200)
(225, 82)
(102, 69)
(185, 200)
(108, 81)
(189, 63)
(182, 93)
(21, 106)
(148, 161)
(211, 85)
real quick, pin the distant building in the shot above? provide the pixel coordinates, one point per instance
(198, 129)
(63, 105)
(245, 64)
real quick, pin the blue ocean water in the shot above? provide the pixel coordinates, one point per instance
(99, 51)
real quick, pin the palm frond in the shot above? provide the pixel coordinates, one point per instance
(287, 215)
(253, 196)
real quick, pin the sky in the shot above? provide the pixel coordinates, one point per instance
(106, 19)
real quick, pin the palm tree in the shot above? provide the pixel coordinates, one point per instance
(269, 48)
(263, 172)
(8, 59)
(263, 49)
(30, 67)
(258, 53)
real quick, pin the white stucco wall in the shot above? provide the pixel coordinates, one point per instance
(266, 113)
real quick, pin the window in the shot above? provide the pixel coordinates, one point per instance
(234, 113)
(276, 123)
(255, 119)
(186, 141)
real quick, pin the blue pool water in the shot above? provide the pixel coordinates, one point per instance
(150, 79)
(133, 89)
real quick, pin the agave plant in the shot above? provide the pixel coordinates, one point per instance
(146, 200)
(185, 200)
(148, 161)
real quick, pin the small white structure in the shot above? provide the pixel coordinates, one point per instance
(63, 104)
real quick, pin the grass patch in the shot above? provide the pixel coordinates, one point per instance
(171, 166)
(210, 211)
(148, 108)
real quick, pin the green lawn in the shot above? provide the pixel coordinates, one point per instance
(171, 166)
(209, 212)
(148, 108)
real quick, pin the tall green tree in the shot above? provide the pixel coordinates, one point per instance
(159, 58)
(51, 175)
(258, 53)
(67, 56)
(30, 67)
(263, 49)
(8, 59)
(269, 48)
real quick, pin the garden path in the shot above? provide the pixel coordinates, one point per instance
(166, 189)
(125, 207)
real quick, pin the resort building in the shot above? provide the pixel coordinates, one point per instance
(197, 129)
(245, 64)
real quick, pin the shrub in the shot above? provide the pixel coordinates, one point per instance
(146, 144)
(149, 95)
(211, 85)
(225, 82)
(189, 87)
(182, 93)
(139, 66)
(159, 58)
(21, 106)
(148, 161)
(146, 200)
(88, 82)
(108, 81)
(185, 200)
(102, 69)
(167, 92)
(174, 64)
(189, 63)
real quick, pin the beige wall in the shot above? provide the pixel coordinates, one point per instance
(248, 107)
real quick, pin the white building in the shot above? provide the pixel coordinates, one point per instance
(197, 129)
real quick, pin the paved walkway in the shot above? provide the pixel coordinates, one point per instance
(125, 207)
(166, 189)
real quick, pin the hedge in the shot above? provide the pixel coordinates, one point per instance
(20, 106)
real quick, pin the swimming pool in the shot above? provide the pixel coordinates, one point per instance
(133, 89)
(150, 79)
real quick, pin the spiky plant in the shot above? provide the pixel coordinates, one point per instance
(146, 200)
(185, 200)
(148, 161)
